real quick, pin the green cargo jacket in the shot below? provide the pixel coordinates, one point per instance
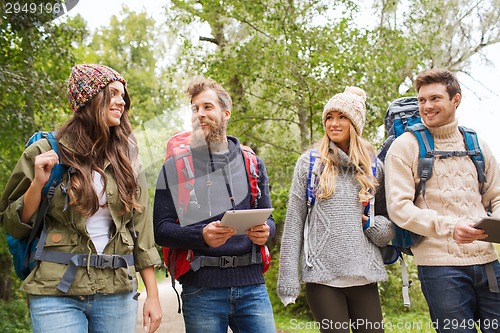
(67, 232)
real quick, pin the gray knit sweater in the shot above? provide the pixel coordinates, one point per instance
(338, 248)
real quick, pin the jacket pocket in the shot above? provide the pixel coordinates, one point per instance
(127, 242)
(61, 241)
(125, 246)
(57, 241)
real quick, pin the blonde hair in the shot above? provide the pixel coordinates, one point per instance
(361, 154)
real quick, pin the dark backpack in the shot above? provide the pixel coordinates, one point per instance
(180, 261)
(23, 250)
(403, 116)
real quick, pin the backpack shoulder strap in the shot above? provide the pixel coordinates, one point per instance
(311, 178)
(48, 190)
(312, 182)
(58, 170)
(252, 168)
(474, 152)
(426, 155)
(372, 200)
(52, 140)
(183, 159)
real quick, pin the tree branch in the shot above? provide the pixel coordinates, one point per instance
(285, 148)
(209, 39)
(253, 26)
(265, 119)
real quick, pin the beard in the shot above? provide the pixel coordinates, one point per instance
(215, 133)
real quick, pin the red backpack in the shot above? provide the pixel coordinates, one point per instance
(178, 261)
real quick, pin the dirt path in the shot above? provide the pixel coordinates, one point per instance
(171, 322)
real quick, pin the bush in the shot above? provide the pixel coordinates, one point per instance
(299, 310)
(14, 316)
(391, 290)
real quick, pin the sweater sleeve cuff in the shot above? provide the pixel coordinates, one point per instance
(286, 300)
(288, 295)
(380, 231)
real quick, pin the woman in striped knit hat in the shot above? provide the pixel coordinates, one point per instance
(98, 224)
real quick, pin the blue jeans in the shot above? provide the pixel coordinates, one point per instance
(459, 297)
(245, 309)
(99, 313)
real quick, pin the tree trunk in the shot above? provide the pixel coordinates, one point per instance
(303, 127)
(5, 277)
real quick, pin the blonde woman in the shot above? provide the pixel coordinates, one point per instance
(333, 246)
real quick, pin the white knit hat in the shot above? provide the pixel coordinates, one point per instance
(352, 104)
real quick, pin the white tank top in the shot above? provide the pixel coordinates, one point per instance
(99, 223)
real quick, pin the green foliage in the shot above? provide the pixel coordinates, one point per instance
(152, 137)
(449, 33)
(390, 290)
(281, 70)
(299, 310)
(14, 316)
(134, 46)
(14, 313)
(408, 322)
(31, 83)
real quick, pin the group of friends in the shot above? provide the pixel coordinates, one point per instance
(101, 212)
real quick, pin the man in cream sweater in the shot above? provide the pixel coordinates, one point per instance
(458, 272)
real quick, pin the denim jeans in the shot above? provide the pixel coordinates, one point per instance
(99, 313)
(459, 297)
(245, 309)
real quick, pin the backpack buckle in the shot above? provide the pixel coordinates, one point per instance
(104, 261)
(228, 261)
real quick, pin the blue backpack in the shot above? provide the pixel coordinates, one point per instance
(403, 116)
(23, 250)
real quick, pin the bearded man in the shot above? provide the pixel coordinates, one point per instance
(216, 296)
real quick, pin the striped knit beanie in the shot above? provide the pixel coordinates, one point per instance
(352, 104)
(87, 80)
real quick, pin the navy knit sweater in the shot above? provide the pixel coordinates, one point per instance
(213, 201)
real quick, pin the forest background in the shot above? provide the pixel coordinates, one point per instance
(281, 60)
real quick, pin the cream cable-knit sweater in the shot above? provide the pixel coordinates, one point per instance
(452, 194)
(340, 251)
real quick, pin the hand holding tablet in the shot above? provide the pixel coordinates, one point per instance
(492, 228)
(244, 219)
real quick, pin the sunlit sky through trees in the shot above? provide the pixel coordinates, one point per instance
(481, 91)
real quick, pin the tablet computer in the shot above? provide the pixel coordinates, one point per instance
(243, 219)
(492, 228)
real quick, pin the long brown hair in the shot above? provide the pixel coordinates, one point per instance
(91, 144)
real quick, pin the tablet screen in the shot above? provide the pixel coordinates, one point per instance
(244, 219)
